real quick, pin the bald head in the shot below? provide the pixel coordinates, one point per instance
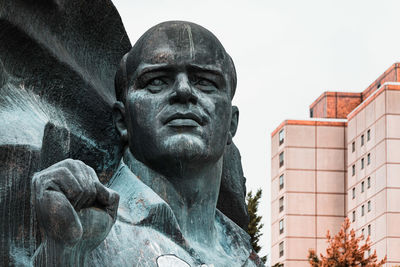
(176, 44)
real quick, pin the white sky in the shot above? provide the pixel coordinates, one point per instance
(286, 54)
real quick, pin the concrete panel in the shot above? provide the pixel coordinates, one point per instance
(330, 204)
(393, 100)
(378, 228)
(360, 173)
(330, 159)
(380, 151)
(393, 175)
(322, 245)
(275, 214)
(297, 248)
(351, 202)
(380, 105)
(371, 142)
(300, 226)
(300, 203)
(393, 200)
(274, 166)
(275, 254)
(370, 114)
(275, 144)
(330, 136)
(332, 224)
(372, 190)
(380, 248)
(393, 248)
(351, 129)
(328, 181)
(369, 168)
(380, 129)
(381, 203)
(299, 135)
(360, 117)
(275, 189)
(380, 178)
(300, 158)
(393, 126)
(275, 235)
(393, 151)
(393, 228)
(301, 181)
(351, 156)
(351, 179)
(275, 232)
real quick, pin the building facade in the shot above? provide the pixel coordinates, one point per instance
(343, 161)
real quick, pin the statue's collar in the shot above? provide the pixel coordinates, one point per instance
(139, 205)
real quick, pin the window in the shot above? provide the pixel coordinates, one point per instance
(281, 204)
(354, 216)
(353, 146)
(369, 229)
(362, 233)
(368, 135)
(362, 187)
(369, 206)
(281, 226)
(281, 156)
(281, 249)
(353, 170)
(369, 252)
(362, 163)
(281, 137)
(362, 210)
(369, 182)
(369, 158)
(281, 182)
(354, 192)
(362, 140)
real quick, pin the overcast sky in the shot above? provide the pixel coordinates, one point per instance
(286, 54)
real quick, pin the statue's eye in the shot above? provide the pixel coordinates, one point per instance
(157, 82)
(156, 85)
(205, 84)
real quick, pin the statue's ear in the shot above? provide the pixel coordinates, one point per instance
(119, 121)
(234, 123)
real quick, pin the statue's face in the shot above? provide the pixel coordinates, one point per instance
(178, 106)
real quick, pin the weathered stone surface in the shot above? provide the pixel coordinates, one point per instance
(57, 65)
(231, 200)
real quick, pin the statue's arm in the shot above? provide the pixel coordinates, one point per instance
(75, 212)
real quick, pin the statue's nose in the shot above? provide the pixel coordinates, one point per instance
(183, 91)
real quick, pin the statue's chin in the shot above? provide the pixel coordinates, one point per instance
(185, 145)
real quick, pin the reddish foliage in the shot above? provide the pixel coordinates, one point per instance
(345, 250)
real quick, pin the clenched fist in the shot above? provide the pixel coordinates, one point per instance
(74, 210)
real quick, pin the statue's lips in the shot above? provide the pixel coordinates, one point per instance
(184, 120)
(183, 123)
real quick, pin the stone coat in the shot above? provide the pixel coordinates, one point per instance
(147, 233)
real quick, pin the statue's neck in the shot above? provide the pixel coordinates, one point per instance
(192, 194)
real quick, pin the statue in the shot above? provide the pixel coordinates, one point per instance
(173, 116)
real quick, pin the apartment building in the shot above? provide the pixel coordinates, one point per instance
(343, 161)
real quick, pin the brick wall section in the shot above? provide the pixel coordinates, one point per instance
(339, 104)
(390, 75)
(335, 105)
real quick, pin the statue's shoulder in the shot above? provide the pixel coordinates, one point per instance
(237, 240)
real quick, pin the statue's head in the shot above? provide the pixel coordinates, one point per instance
(174, 91)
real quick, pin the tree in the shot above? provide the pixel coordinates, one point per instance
(255, 225)
(345, 250)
